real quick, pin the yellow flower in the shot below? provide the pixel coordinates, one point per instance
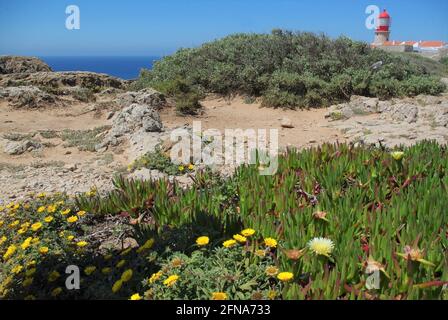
(3, 240)
(171, 280)
(53, 276)
(397, 155)
(81, 213)
(27, 282)
(248, 232)
(30, 264)
(272, 294)
(65, 212)
(51, 209)
(270, 242)
(229, 243)
(91, 193)
(43, 250)
(321, 246)
(26, 243)
(57, 291)
(48, 219)
(106, 270)
(41, 209)
(81, 244)
(202, 241)
(22, 230)
(240, 238)
(117, 286)
(25, 225)
(271, 271)
(219, 296)
(285, 276)
(41, 195)
(9, 252)
(127, 275)
(155, 276)
(14, 223)
(190, 166)
(36, 226)
(35, 240)
(135, 296)
(17, 269)
(89, 270)
(70, 237)
(2, 222)
(72, 219)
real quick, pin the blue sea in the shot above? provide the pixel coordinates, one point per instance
(122, 67)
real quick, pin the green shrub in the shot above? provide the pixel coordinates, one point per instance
(84, 94)
(159, 160)
(239, 274)
(290, 69)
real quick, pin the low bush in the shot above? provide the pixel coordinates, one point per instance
(84, 94)
(291, 69)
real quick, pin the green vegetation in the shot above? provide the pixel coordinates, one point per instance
(161, 161)
(84, 140)
(84, 94)
(294, 70)
(330, 216)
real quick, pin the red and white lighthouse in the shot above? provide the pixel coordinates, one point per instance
(382, 31)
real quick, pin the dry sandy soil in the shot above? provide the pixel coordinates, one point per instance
(310, 126)
(61, 168)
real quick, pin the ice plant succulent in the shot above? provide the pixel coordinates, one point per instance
(321, 246)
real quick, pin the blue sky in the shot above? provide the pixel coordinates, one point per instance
(158, 27)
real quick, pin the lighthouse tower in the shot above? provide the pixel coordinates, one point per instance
(382, 32)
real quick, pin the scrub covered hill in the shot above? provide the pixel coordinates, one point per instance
(289, 69)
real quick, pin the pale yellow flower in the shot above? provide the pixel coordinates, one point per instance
(321, 246)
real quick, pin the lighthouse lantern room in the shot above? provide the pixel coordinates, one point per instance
(382, 31)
